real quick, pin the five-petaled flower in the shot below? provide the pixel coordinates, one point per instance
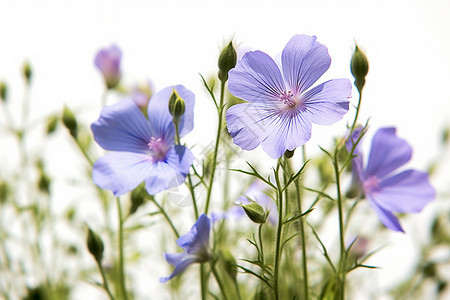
(404, 192)
(195, 243)
(144, 150)
(282, 109)
(107, 61)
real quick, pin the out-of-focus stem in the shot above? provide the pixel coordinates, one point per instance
(121, 260)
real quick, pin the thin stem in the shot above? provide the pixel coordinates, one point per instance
(203, 281)
(342, 272)
(279, 230)
(216, 148)
(121, 260)
(161, 209)
(105, 282)
(261, 243)
(219, 281)
(83, 151)
(303, 239)
(357, 112)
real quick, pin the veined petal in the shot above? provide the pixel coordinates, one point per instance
(160, 117)
(328, 102)
(180, 267)
(121, 172)
(304, 61)
(196, 241)
(388, 153)
(169, 172)
(256, 77)
(408, 191)
(287, 132)
(122, 127)
(386, 217)
(248, 123)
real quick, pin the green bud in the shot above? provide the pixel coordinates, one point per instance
(289, 153)
(359, 67)
(176, 106)
(70, 122)
(3, 91)
(138, 196)
(52, 123)
(95, 245)
(227, 61)
(27, 72)
(255, 212)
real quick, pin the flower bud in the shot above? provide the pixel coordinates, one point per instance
(27, 72)
(289, 153)
(52, 124)
(3, 91)
(70, 122)
(359, 67)
(107, 61)
(95, 245)
(255, 212)
(227, 61)
(176, 106)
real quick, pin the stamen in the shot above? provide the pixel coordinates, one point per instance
(371, 183)
(287, 98)
(158, 148)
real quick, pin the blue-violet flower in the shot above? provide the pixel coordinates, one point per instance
(107, 61)
(195, 243)
(144, 149)
(282, 109)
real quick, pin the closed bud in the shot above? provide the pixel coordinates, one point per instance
(70, 122)
(52, 123)
(359, 67)
(95, 245)
(27, 72)
(255, 212)
(289, 153)
(176, 106)
(227, 61)
(3, 91)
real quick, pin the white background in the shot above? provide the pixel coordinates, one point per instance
(170, 42)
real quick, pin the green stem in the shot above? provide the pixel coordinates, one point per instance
(161, 209)
(83, 151)
(303, 239)
(121, 260)
(357, 113)
(203, 281)
(279, 230)
(216, 148)
(219, 281)
(105, 282)
(342, 255)
(261, 243)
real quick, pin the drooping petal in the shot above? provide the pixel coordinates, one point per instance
(169, 172)
(256, 77)
(304, 61)
(287, 132)
(175, 258)
(121, 172)
(387, 218)
(248, 123)
(328, 102)
(388, 153)
(160, 117)
(408, 191)
(196, 241)
(122, 127)
(179, 267)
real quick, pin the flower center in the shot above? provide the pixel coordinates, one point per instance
(371, 183)
(288, 98)
(158, 149)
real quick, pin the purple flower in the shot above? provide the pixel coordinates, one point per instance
(281, 108)
(107, 61)
(195, 243)
(404, 192)
(144, 149)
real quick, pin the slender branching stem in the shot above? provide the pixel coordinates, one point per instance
(121, 260)
(163, 212)
(279, 231)
(105, 282)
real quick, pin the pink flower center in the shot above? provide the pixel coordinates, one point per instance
(371, 183)
(287, 97)
(158, 149)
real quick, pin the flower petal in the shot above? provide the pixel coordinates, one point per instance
(328, 102)
(122, 127)
(388, 153)
(287, 132)
(248, 123)
(196, 241)
(304, 61)
(256, 77)
(408, 191)
(160, 117)
(386, 217)
(121, 172)
(179, 267)
(169, 172)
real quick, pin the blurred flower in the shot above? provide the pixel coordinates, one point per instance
(107, 61)
(281, 110)
(144, 148)
(195, 243)
(407, 191)
(141, 94)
